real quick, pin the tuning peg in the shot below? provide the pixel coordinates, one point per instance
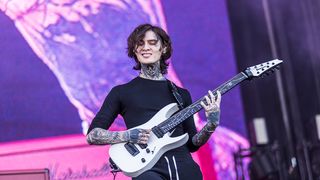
(277, 67)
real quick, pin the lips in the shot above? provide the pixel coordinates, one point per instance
(146, 55)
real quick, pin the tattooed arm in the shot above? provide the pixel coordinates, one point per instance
(212, 108)
(99, 136)
(204, 134)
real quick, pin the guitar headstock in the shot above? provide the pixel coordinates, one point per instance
(263, 68)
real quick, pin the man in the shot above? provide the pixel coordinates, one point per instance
(141, 98)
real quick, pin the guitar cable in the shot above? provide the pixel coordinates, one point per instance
(114, 174)
(114, 168)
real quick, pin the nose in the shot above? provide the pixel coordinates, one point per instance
(145, 46)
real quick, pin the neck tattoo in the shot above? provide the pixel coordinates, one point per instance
(151, 71)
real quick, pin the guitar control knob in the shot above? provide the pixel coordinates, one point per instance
(143, 160)
(148, 150)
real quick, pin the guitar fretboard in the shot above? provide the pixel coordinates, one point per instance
(185, 113)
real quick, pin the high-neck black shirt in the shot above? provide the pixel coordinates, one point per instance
(138, 101)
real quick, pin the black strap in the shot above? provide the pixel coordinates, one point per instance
(176, 94)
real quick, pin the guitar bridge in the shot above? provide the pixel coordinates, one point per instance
(132, 149)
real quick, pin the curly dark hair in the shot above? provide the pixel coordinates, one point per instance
(138, 34)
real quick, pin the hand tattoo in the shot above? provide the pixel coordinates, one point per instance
(133, 135)
(139, 136)
(214, 118)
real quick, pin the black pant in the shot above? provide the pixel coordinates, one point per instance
(171, 167)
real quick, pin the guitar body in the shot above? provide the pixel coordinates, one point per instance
(137, 160)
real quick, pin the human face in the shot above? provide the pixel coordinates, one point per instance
(149, 50)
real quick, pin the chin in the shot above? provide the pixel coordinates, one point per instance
(146, 61)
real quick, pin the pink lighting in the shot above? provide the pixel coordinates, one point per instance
(66, 157)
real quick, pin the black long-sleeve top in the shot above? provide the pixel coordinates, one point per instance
(138, 101)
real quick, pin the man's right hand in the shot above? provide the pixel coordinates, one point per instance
(138, 136)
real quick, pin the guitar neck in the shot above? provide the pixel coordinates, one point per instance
(185, 113)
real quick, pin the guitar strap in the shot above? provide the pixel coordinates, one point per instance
(173, 88)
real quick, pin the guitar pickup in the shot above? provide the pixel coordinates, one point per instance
(132, 149)
(157, 131)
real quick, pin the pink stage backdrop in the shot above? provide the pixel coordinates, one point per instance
(68, 157)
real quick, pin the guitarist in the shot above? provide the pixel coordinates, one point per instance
(138, 100)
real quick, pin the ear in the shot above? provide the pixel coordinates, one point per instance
(164, 50)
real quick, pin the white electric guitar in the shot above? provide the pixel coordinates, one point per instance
(134, 159)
